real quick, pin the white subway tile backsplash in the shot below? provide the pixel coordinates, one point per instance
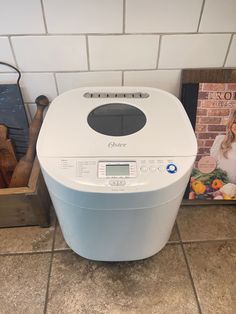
(168, 80)
(5, 54)
(8, 78)
(35, 84)
(231, 59)
(32, 84)
(21, 17)
(67, 81)
(84, 16)
(162, 16)
(60, 45)
(28, 112)
(31, 110)
(219, 16)
(50, 53)
(123, 52)
(192, 51)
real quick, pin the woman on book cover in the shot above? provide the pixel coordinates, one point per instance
(224, 149)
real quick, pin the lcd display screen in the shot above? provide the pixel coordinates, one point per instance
(117, 170)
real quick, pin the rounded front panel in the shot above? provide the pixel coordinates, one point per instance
(118, 177)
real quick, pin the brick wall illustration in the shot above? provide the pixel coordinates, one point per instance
(215, 104)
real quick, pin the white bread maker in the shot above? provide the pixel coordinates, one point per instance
(116, 161)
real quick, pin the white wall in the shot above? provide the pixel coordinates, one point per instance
(63, 44)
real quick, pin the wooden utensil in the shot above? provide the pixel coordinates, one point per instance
(8, 159)
(3, 184)
(22, 171)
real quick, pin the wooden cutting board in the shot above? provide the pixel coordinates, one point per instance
(8, 159)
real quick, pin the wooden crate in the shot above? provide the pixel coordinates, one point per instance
(26, 206)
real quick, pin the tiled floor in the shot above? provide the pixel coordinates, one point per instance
(194, 273)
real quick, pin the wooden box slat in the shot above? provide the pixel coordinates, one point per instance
(26, 206)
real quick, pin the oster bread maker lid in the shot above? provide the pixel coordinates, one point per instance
(116, 122)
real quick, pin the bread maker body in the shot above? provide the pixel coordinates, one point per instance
(116, 161)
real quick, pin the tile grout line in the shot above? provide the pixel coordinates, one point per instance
(124, 17)
(106, 71)
(63, 250)
(172, 242)
(44, 17)
(228, 49)
(159, 51)
(56, 84)
(189, 271)
(200, 17)
(25, 253)
(50, 270)
(13, 54)
(117, 34)
(87, 53)
(208, 241)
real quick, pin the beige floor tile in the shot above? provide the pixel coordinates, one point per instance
(26, 239)
(209, 222)
(213, 267)
(159, 284)
(60, 243)
(23, 283)
(174, 237)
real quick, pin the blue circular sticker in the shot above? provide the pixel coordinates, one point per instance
(171, 168)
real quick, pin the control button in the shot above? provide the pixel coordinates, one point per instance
(122, 182)
(143, 169)
(112, 183)
(171, 168)
(161, 168)
(117, 182)
(153, 169)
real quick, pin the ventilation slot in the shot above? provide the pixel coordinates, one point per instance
(116, 95)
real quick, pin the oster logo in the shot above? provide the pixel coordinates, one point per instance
(116, 145)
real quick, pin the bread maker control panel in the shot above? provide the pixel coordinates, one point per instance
(122, 174)
(120, 169)
(118, 174)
